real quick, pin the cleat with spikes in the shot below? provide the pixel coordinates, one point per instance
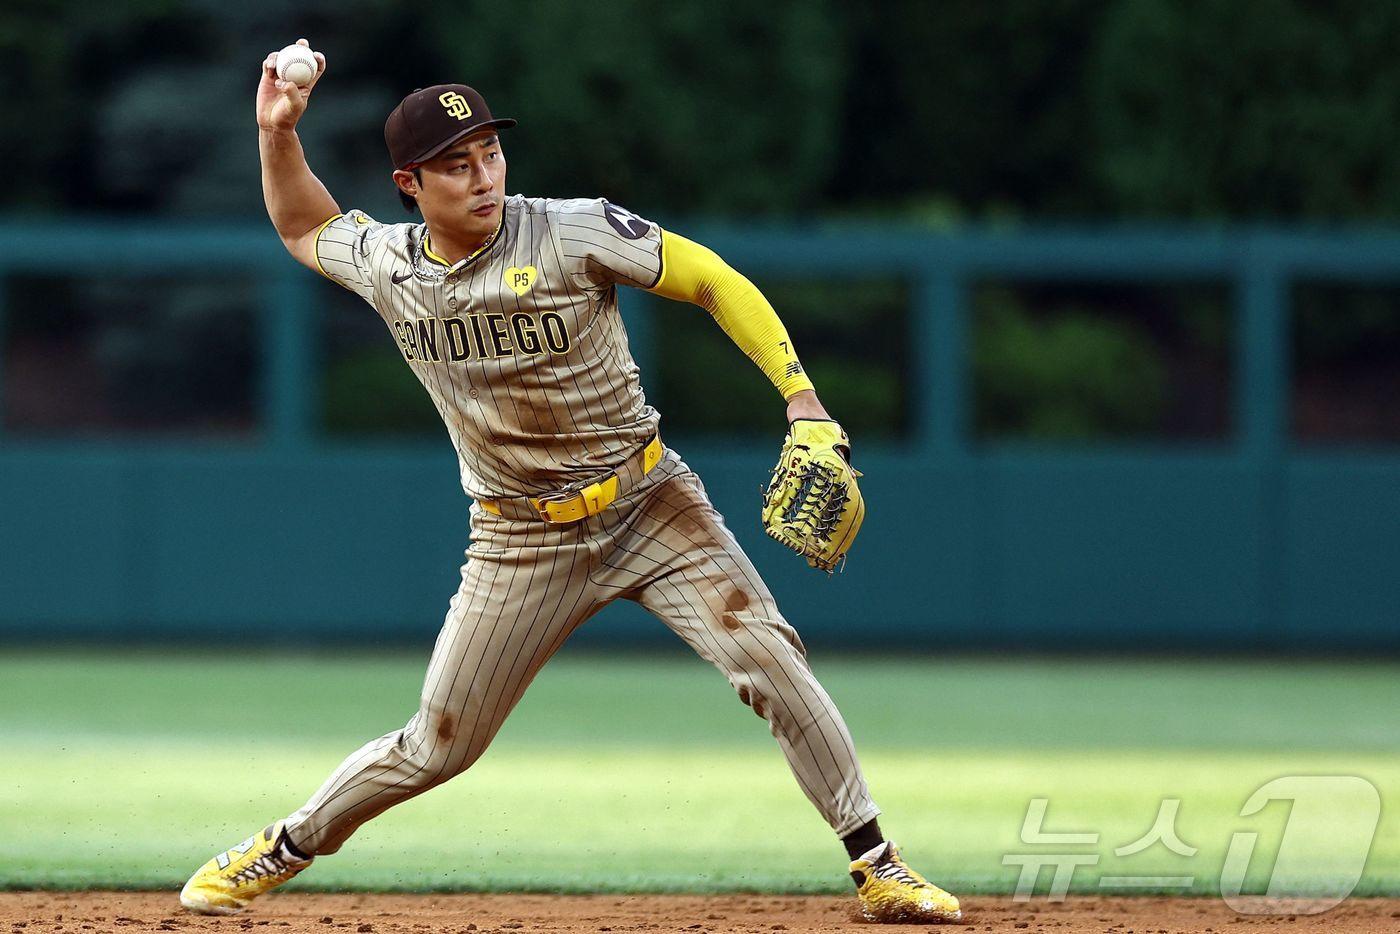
(228, 882)
(892, 893)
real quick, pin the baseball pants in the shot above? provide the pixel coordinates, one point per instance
(527, 585)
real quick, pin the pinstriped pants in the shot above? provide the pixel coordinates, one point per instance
(527, 585)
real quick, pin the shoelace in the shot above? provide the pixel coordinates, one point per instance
(269, 864)
(900, 873)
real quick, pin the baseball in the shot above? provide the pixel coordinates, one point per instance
(296, 64)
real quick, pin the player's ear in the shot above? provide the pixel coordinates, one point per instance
(407, 182)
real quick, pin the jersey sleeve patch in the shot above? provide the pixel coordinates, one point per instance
(603, 243)
(343, 250)
(627, 224)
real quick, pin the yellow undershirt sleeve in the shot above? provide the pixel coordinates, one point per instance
(693, 273)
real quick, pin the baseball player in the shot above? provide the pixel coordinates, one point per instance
(505, 308)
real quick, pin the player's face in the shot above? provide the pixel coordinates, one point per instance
(464, 188)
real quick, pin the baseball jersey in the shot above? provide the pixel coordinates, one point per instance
(520, 346)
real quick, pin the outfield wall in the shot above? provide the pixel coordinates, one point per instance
(1249, 543)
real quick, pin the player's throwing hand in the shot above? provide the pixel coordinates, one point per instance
(281, 103)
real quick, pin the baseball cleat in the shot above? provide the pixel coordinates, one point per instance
(890, 892)
(228, 882)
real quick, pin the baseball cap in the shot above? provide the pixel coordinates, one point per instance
(430, 119)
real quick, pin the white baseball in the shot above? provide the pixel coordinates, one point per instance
(296, 64)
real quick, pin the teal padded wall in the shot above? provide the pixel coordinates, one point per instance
(1249, 543)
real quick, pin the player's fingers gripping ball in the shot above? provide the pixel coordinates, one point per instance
(812, 503)
(297, 64)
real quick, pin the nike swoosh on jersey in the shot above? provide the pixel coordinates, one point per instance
(396, 278)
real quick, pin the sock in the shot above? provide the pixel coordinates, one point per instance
(863, 839)
(290, 849)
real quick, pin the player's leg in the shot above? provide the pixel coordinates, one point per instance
(703, 586)
(709, 593)
(524, 588)
(513, 611)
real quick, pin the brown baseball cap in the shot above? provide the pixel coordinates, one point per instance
(430, 119)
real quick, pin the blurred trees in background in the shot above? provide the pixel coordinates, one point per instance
(1258, 109)
(1253, 109)
(901, 111)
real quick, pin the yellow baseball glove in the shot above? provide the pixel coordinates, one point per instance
(812, 503)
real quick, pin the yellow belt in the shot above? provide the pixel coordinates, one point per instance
(589, 501)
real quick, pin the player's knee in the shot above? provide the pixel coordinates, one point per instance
(443, 727)
(443, 749)
(769, 647)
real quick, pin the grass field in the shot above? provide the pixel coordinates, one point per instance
(646, 774)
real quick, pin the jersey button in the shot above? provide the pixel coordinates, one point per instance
(452, 303)
(473, 393)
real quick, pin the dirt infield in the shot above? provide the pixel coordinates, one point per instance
(77, 912)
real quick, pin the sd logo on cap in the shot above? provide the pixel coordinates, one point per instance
(429, 120)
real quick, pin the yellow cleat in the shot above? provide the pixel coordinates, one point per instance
(891, 893)
(228, 882)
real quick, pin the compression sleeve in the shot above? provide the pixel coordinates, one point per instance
(693, 273)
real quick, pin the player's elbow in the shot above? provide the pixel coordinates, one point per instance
(302, 245)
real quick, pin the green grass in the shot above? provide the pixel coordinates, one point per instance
(646, 774)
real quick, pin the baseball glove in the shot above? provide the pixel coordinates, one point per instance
(812, 504)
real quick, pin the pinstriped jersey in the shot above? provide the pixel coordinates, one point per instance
(520, 346)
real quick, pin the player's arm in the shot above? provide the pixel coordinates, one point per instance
(297, 202)
(693, 273)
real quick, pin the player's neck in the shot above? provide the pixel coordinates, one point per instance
(450, 246)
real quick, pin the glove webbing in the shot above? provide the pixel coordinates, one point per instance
(817, 484)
